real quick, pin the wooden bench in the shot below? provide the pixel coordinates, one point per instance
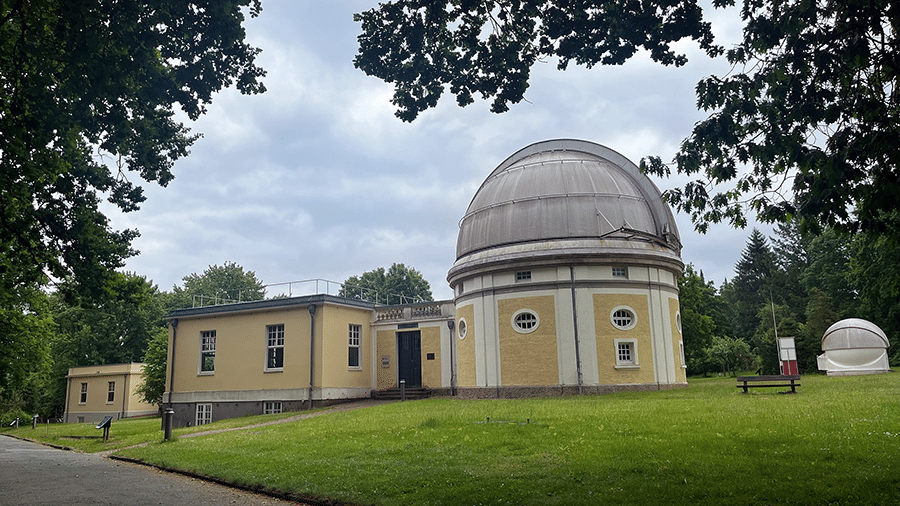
(772, 380)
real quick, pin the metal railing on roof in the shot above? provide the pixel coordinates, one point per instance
(316, 286)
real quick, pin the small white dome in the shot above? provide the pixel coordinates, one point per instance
(854, 333)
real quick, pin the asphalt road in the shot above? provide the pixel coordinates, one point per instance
(33, 474)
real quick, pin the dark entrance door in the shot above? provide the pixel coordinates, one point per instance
(410, 357)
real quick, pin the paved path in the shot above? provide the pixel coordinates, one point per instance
(35, 475)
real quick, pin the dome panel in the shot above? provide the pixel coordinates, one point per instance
(562, 190)
(853, 333)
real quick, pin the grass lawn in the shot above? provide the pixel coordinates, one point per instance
(836, 442)
(123, 433)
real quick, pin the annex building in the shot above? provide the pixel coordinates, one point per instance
(565, 282)
(97, 391)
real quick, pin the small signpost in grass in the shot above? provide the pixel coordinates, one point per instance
(105, 425)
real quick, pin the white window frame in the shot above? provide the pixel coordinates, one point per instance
(111, 392)
(620, 272)
(207, 348)
(614, 318)
(272, 407)
(515, 321)
(204, 413)
(354, 333)
(626, 363)
(523, 276)
(82, 399)
(681, 351)
(274, 343)
(462, 328)
(678, 322)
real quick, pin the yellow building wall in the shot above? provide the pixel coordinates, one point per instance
(606, 334)
(528, 359)
(680, 371)
(465, 348)
(241, 351)
(386, 346)
(332, 368)
(431, 369)
(127, 378)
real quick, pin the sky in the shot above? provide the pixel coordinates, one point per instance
(317, 179)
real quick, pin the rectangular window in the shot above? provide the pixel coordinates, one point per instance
(620, 272)
(208, 351)
(80, 419)
(271, 408)
(353, 345)
(274, 346)
(111, 392)
(83, 394)
(626, 353)
(523, 276)
(204, 414)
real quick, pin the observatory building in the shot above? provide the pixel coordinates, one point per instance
(564, 282)
(854, 346)
(565, 278)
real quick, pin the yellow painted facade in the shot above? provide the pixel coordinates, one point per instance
(607, 333)
(677, 341)
(528, 358)
(387, 347)
(240, 355)
(334, 369)
(99, 401)
(465, 348)
(431, 369)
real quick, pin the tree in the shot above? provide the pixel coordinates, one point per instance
(217, 285)
(153, 386)
(26, 328)
(750, 285)
(399, 285)
(876, 277)
(697, 298)
(829, 270)
(113, 328)
(805, 124)
(88, 95)
(731, 354)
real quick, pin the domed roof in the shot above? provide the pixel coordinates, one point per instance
(853, 333)
(566, 190)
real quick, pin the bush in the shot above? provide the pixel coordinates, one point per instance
(9, 416)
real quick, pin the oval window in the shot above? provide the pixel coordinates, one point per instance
(462, 328)
(623, 318)
(525, 321)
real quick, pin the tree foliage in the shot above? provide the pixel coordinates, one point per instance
(218, 284)
(398, 285)
(88, 98)
(488, 47)
(153, 385)
(698, 301)
(804, 125)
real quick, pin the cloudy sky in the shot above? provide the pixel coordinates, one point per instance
(317, 178)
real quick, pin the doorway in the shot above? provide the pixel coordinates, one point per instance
(409, 344)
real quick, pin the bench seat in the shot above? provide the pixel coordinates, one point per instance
(791, 381)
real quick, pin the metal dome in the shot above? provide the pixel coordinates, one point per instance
(566, 190)
(854, 333)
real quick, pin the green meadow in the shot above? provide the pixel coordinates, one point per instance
(835, 442)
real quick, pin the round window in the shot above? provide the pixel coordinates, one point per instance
(461, 328)
(678, 321)
(623, 318)
(525, 321)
